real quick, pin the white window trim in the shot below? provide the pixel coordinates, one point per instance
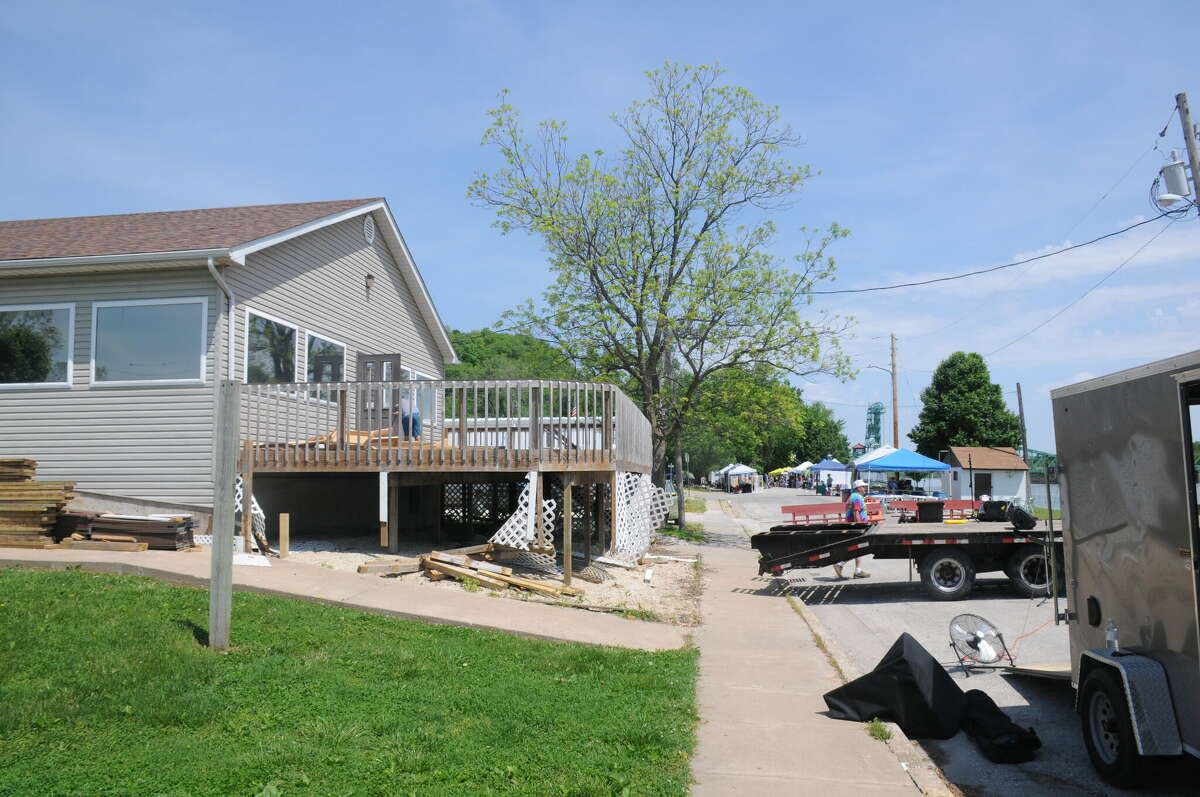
(200, 300)
(70, 308)
(246, 344)
(327, 339)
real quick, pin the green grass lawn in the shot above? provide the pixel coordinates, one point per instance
(1042, 513)
(694, 503)
(106, 689)
(691, 532)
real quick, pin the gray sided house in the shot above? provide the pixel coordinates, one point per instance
(116, 330)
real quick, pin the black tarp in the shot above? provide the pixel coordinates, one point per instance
(907, 687)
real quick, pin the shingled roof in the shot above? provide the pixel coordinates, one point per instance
(166, 231)
(986, 458)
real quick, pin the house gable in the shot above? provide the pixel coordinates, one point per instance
(317, 282)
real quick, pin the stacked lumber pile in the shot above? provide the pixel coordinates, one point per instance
(29, 509)
(88, 531)
(159, 532)
(476, 562)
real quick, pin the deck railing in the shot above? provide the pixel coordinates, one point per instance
(442, 425)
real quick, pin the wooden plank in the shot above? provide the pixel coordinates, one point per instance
(490, 567)
(470, 550)
(466, 561)
(90, 545)
(285, 534)
(45, 543)
(102, 537)
(382, 566)
(490, 579)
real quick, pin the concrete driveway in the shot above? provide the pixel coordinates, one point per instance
(864, 617)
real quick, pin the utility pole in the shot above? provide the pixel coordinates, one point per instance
(895, 400)
(1024, 448)
(1189, 136)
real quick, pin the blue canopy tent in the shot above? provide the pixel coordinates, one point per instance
(903, 460)
(831, 472)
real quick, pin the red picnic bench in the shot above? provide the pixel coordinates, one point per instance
(829, 513)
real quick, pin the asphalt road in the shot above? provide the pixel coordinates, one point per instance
(865, 616)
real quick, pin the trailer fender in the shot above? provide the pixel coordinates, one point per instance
(1148, 695)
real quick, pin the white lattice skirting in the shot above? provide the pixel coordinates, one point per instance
(258, 518)
(520, 530)
(641, 510)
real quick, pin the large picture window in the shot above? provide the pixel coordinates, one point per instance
(270, 350)
(326, 359)
(149, 341)
(36, 344)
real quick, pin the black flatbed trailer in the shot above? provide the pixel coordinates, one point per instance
(948, 556)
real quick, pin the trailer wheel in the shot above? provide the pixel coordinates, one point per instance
(1107, 730)
(948, 575)
(1028, 571)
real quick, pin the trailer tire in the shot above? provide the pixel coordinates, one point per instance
(948, 574)
(1028, 571)
(1107, 729)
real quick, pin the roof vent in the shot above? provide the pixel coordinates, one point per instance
(369, 228)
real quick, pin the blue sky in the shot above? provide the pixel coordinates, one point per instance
(948, 137)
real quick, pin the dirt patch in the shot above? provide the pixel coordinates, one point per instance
(671, 594)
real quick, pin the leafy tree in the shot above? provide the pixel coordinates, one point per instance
(663, 273)
(754, 416)
(746, 415)
(486, 354)
(824, 435)
(963, 407)
(25, 355)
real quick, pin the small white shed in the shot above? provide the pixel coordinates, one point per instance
(984, 470)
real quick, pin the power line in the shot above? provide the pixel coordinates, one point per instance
(1084, 295)
(1153, 146)
(988, 270)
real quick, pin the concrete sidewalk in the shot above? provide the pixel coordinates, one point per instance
(372, 594)
(761, 680)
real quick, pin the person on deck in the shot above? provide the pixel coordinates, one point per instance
(856, 512)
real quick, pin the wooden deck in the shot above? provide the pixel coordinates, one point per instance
(509, 426)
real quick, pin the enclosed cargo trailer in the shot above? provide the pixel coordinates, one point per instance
(1127, 448)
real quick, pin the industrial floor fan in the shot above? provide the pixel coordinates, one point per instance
(977, 641)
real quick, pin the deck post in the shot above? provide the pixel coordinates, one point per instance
(285, 534)
(535, 423)
(393, 514)
(462, 425)
(568, 523)
(539, 530)
(589, 520)
(606, 545)
(220, 586)
(343, 454)
(248, 497)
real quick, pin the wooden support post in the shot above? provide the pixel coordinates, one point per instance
(439, 511)
(462, 425)
(539, 530)
(589, 516)
(285, 534)
(536, 436)
(393, 514)
(247, 497)
(606, 545)
(220, 588)
(568, 522)
(343, 427)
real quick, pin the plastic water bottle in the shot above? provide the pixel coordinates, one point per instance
(1110, 635)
